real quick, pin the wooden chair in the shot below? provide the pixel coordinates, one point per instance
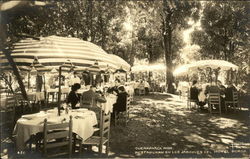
(191, 102)
(234, 102)
(123, 116)
(126, 113)
(213, 101)
(57, 137)
(78, 140)
(102, 138)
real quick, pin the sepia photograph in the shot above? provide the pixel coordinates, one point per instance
(124, 79)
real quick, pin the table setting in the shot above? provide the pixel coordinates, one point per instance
(82, 124)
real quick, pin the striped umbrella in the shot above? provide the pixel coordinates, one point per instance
(120, 62)
(52, 52)
(95, 68)
(203, 64)
(37, 66)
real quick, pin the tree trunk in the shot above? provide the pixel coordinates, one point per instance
(167, 36)
(169, 64)
(89, 21)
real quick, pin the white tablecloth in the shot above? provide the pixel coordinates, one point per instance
(108, 106)
(32, 124)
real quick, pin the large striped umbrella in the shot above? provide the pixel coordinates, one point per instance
(120, 62)
(53, 51)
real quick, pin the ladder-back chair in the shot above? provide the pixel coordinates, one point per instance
(102, 138)
(191, 102)
(234, 102)
(123, 116)
(57, 139)
(214, 101)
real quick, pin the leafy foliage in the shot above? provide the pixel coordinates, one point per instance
(225, 33)
(142, 29)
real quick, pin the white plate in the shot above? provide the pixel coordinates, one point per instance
(29, 116)
(82, 109)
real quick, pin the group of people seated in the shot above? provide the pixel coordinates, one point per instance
(141, 85)
(89, 99)
(200, 94)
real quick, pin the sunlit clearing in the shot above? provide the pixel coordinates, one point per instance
(170, 105)
(195, 138)
(225, 122)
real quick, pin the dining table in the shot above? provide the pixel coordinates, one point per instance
(83, 122)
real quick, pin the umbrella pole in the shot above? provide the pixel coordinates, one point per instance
(59, 92)
(28, 80)
(45, 93)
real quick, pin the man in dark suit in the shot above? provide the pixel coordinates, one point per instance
(90, 98)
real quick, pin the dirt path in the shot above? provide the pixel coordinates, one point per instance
(161, 126)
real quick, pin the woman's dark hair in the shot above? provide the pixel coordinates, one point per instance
(75, 87)
(194, 82)
(121, 88)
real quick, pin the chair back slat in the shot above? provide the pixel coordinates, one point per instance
(105, 131)
(57, 126)
(105, 125)
(235, 95)
(59, 144)
(57, 135)
(105, 118)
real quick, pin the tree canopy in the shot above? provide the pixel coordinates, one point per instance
(145, 29)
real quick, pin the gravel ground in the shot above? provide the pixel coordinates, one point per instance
(161, 126)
